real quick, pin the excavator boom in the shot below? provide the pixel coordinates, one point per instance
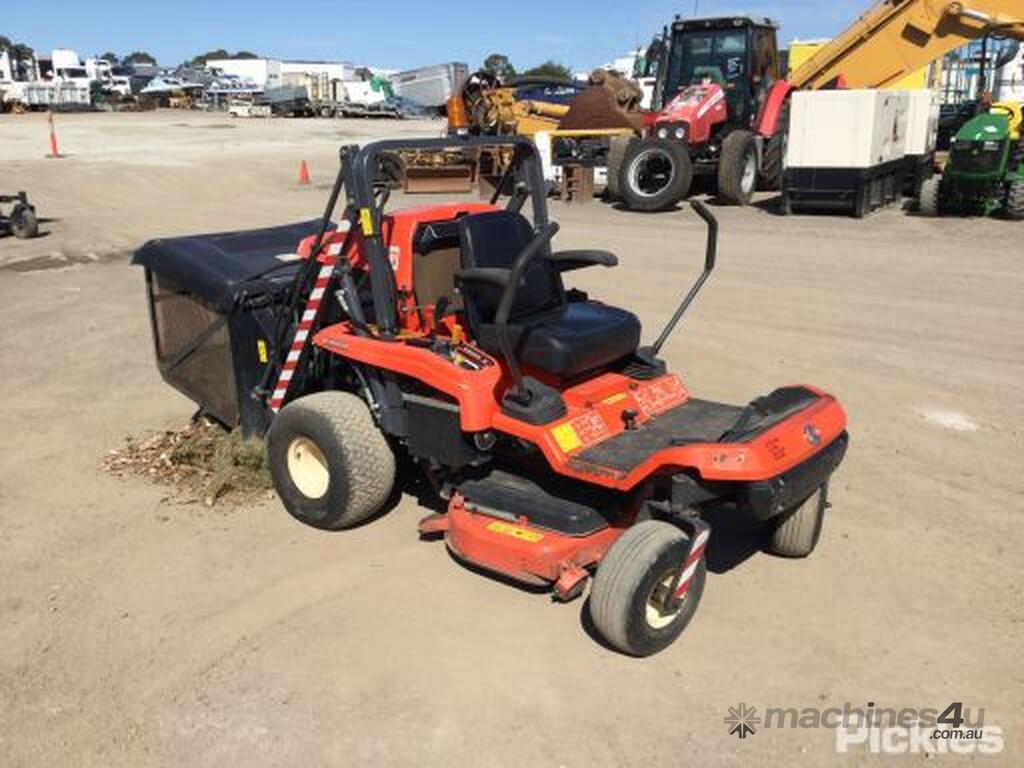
(897, 37)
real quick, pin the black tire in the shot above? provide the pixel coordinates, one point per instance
(862, 201)
(655, 174)
(616, 154)
(774, 161)
(797, 531)
(331, 465)
(785, 204)
(929, 201)
(737, 168)
(626, 581)
(23, 222)
(1015, 201)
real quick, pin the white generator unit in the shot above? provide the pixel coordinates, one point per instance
(431, 87)
(921, 137)
(846, 149)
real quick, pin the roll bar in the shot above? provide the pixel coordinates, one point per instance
(710, 251)
(359, 169)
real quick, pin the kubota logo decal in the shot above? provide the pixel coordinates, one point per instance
(812, 434)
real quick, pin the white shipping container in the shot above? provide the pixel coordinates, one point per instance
(846, 128)
(431, 86)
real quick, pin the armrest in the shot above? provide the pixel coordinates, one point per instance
(568, 260)
(485, 276)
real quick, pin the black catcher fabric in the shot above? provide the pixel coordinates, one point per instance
(547, 332)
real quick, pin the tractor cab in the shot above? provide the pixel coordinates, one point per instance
(739, 54)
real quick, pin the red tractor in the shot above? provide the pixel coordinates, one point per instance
(716, 119)
(443, 337)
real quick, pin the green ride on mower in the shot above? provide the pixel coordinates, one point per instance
(985, 171)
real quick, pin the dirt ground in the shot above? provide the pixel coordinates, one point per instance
(137, 631)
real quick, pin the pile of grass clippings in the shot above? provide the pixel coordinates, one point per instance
(200, 462)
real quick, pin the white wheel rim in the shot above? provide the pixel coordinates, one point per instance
(749, 174)
(307, 468)
(645, 181)
(657, 618)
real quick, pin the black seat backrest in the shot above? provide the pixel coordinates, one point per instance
(494, 239)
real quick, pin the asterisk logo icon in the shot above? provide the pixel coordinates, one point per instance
(741, 720)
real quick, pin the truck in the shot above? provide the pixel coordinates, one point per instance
(432, 86)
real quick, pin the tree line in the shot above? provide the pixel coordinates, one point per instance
(498, 64)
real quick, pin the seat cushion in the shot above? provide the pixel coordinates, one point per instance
(575, 338)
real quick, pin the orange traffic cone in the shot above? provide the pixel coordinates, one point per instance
(303, 174)
(53, 138)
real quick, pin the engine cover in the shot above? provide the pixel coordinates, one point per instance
(697, 109)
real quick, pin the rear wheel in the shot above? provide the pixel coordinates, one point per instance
(23, 222)
(628, 597)
(775, 153)
(929, 202)
(797, 532)
(1015, 201)
(655, 174)
(331, 465)
(737, 168)
(616, 156)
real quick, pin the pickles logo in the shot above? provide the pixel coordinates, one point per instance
(742, 721)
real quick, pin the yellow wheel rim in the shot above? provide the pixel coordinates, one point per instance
(307, 468)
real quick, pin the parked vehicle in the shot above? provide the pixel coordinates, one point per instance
(565, 451)
(985, 170)
(431, 86)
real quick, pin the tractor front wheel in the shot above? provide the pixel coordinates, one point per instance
(737, 168)
(929, 201)
(23, 222)
(654, 174)
(331, 465)
(630, 596)
(1015, 201)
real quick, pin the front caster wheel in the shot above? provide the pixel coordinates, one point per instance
(797, 531)
(631, 589)
(331, 465)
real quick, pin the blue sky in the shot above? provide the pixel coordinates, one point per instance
(395, 33)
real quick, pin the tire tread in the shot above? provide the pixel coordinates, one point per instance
(628, 559)
(730, 167)
(368, 461)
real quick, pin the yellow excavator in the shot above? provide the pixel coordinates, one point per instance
(898, 37)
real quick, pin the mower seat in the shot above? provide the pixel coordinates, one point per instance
(548, 332)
